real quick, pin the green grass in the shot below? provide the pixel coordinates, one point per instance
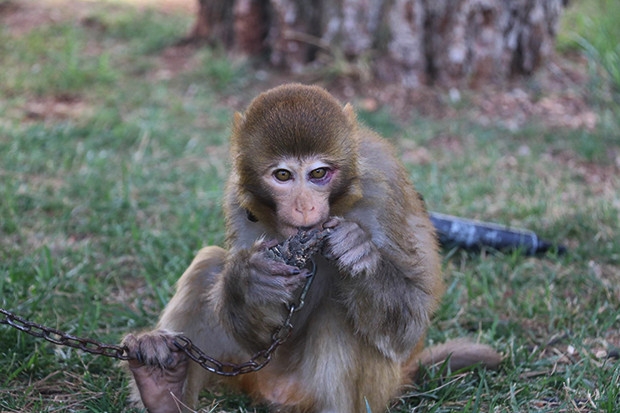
(592, 26)
(112, 164)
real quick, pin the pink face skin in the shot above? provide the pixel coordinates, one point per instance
(301, 189)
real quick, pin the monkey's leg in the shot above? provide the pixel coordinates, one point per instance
(165, 373)
(159, 370)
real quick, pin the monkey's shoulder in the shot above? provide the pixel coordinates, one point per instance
(379, 161)
(376, 151)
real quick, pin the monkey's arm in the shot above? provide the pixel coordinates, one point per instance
(252, 293)
(389, 293)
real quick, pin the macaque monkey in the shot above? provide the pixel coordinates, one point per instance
(302, 161)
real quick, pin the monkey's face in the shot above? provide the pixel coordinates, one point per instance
(295, 153)
(301, 190)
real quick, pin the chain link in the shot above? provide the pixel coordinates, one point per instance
(63, 339)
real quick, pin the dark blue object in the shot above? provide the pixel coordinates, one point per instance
(473, 235)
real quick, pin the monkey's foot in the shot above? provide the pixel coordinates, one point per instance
(159, 369)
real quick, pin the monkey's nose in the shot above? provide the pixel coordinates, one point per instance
(304, 210)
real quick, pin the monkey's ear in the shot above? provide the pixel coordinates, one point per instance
(238, 120)
(349, 112)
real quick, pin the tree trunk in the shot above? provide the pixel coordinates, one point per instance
(450, 42)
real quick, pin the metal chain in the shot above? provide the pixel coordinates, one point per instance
(63, 339)
(295, 251)
(257, 362)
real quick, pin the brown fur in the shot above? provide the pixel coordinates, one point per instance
(360, 336)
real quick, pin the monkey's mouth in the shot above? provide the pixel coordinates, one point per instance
(288, 231)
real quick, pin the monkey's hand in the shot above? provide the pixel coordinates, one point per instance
(257, 286)
(159, 369)
(272, 278)
(351, 247)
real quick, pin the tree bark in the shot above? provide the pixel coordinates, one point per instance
(450, 42)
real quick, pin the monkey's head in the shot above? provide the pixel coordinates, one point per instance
(295, 154)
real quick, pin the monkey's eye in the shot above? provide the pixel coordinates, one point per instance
(282, 175)
(318, 173)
